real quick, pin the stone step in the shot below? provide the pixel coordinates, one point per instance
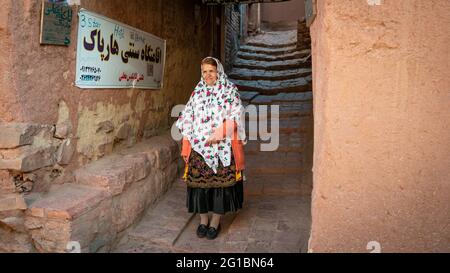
(71, 212)
(304, 47)
(255, 118)
(276, 185)
(270, 147)
(282, 148)
(265, 110)
(305, 41)
(291, 100)
(161, 226)
(270, 58)
(114, 173)
(282, 131)
(266, 87)
(287, 143)
(271, 170)
(274, 91)
(288, 124)
(303, 32)
(294, 146)
(267, 45)
(117, 171)
(275, 37)
(268, 51)
(255, 168)
(247, 96)
(305, 44)
(274, 159)
(255, 121)
(273, 65)
(109, 195)
(296, 123)
(88, 215)
(254, 75)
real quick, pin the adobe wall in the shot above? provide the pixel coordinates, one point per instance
(381, 147)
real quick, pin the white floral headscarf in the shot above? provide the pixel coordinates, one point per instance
(207, 108)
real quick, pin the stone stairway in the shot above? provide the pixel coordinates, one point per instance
(276, 213)
(271, 63)
(276, 73)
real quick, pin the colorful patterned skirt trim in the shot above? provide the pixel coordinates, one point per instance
(199, 175)
(207, 191)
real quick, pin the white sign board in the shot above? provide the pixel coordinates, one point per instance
(114, 55)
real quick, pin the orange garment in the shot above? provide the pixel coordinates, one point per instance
(227, 128)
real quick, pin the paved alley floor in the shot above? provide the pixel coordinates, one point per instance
(278, 222)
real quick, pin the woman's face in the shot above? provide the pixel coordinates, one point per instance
(209, 73)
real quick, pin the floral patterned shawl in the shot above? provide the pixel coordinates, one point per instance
(207, 109)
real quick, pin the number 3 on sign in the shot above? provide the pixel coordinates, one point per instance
(73, 247)
(83, 20)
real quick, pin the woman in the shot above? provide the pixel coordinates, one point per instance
(213, 138)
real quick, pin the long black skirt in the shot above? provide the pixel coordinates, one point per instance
(212, 192)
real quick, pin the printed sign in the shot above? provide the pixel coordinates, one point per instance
(56, 23)
(111, 54)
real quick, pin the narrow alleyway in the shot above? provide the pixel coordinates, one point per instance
(89, 161)
(276, 216)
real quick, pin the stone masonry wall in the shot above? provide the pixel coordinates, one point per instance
(96, 121)
(49, 128)
(232, 35)
(108, 196)
(93, 122)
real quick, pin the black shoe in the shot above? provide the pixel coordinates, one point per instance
(202, 230)
(213, 232)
